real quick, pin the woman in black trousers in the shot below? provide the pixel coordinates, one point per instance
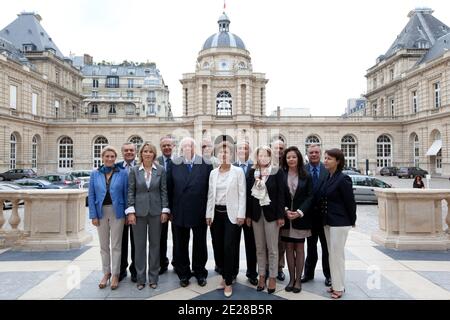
(298, 223)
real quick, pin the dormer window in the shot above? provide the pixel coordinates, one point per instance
(113, 70)
(242, 65)
(29, 47)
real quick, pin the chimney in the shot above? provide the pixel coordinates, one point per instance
(278, 111)
(88, 60)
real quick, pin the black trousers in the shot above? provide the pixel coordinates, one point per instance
(124, 252)
(164, 260)
(224, 237)
(312, 257)
(199, 252)
(250, 252)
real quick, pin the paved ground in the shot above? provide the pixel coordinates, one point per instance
(372, 272)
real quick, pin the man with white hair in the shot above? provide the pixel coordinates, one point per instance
(189, 183)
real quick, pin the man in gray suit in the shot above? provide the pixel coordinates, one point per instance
(166, 144)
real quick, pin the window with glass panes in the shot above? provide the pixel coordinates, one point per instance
(99, 144)
(384, 151)
(12, 151)
(34, 154)
(348, 147)
(416, 147)
(65, 154)
(224, 104)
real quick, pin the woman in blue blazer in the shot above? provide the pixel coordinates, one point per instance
(108, 187)
(339, 214)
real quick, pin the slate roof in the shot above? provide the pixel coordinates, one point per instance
(27, 29)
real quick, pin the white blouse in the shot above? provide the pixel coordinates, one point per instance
(221, 188)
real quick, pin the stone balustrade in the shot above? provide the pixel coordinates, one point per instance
(53, 220)
(411, 219)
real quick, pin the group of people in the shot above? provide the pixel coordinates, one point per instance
(277, 200)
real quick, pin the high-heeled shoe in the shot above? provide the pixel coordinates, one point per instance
(105, 280)
(114, 283)
(226, 293)
(271, 290)
(140, 286)
(297, 289)
(153, 285)
(261, 288)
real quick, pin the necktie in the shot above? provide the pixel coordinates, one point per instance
(315, 178)
(244, 167)
(166, 163)
(189, 167)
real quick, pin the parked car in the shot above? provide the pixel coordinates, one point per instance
(28, 183)
(83, 176)
(61, 178)
(364, 188)
(349, 172)
(411, 172)
(4, 186)
(352, 169)
(15, 174)
(389, 171)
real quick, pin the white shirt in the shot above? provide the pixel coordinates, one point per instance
(221, 188)
(147, 175)
(128, 166)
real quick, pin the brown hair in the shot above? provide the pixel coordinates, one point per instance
(152, 148)
(338, 155)
(258, 150)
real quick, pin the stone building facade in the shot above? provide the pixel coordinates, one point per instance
(224, 96)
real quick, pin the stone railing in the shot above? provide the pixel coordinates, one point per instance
(411, 219)
(52, 220)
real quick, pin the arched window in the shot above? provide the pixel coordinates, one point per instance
(137, 141)
(34, 152)
(12, 151)
(384, 151)
(224, 104)
(65, 154)
(312, 139)
(348, 146)
(99, 144)
(416, 149)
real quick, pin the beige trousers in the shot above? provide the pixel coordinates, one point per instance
(336, 238)
(266, 239)
(110, 230)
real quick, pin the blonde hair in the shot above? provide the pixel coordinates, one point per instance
(152, 149)
(257, 151)
(109, 148)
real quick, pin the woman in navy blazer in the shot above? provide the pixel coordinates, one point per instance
(108, 187)
(298, 222)
(339, 214)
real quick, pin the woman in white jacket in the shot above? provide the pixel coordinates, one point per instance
(225, 213)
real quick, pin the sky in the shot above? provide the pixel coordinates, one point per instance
(314, 53)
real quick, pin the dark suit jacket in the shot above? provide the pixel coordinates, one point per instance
(302, 200)
(316, 215)
(169, 181)
(250, 165)
(275, 188)
(189, 192)
(338, 201)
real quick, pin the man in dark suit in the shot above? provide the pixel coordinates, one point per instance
(166, 145)
(244, 162)
(319, 176)
(129, 156)
(189, 183)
